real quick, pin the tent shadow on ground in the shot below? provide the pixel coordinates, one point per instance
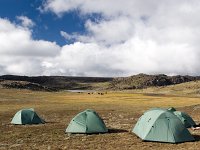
(196, 137)
(113, 130)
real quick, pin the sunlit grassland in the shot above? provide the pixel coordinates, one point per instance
(15, 99)
(119, 110)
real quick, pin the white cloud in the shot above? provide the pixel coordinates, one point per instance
(19, 53)
(25, 21)
(132, 36)
(116, 30)
(132, 57)
(65, 35)
(105, 7)
(69, 37)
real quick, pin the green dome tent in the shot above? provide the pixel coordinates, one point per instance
(87, 121)
(185, 119)
(27, 116)
(162, 126)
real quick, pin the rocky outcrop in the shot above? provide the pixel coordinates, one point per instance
(143, 81)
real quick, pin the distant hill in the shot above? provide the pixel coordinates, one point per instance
(55, 83)
(142, 81)
(24, 85)
(187, 88)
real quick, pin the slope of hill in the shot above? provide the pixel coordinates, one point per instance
(24, 85)
(188, 88)
(142, 81)
(61, 82)
(55, 83)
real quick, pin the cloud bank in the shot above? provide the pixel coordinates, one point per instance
(128, 38)
(19, 53)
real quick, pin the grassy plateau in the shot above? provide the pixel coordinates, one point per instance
(119, 110)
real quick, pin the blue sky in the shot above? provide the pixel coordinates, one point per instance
(99, 37)
(48, 25)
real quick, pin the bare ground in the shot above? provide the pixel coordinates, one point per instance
(119, 111)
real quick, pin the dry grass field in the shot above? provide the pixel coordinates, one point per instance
(119, 110)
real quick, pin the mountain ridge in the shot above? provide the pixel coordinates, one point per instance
(56, 83)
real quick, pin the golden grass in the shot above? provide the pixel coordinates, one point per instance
(21, 97)
(119, 110)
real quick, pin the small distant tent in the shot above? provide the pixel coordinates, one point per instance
(87, 121)
(162, 126)
(185, 119)
(171, 109)
(27, 116)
